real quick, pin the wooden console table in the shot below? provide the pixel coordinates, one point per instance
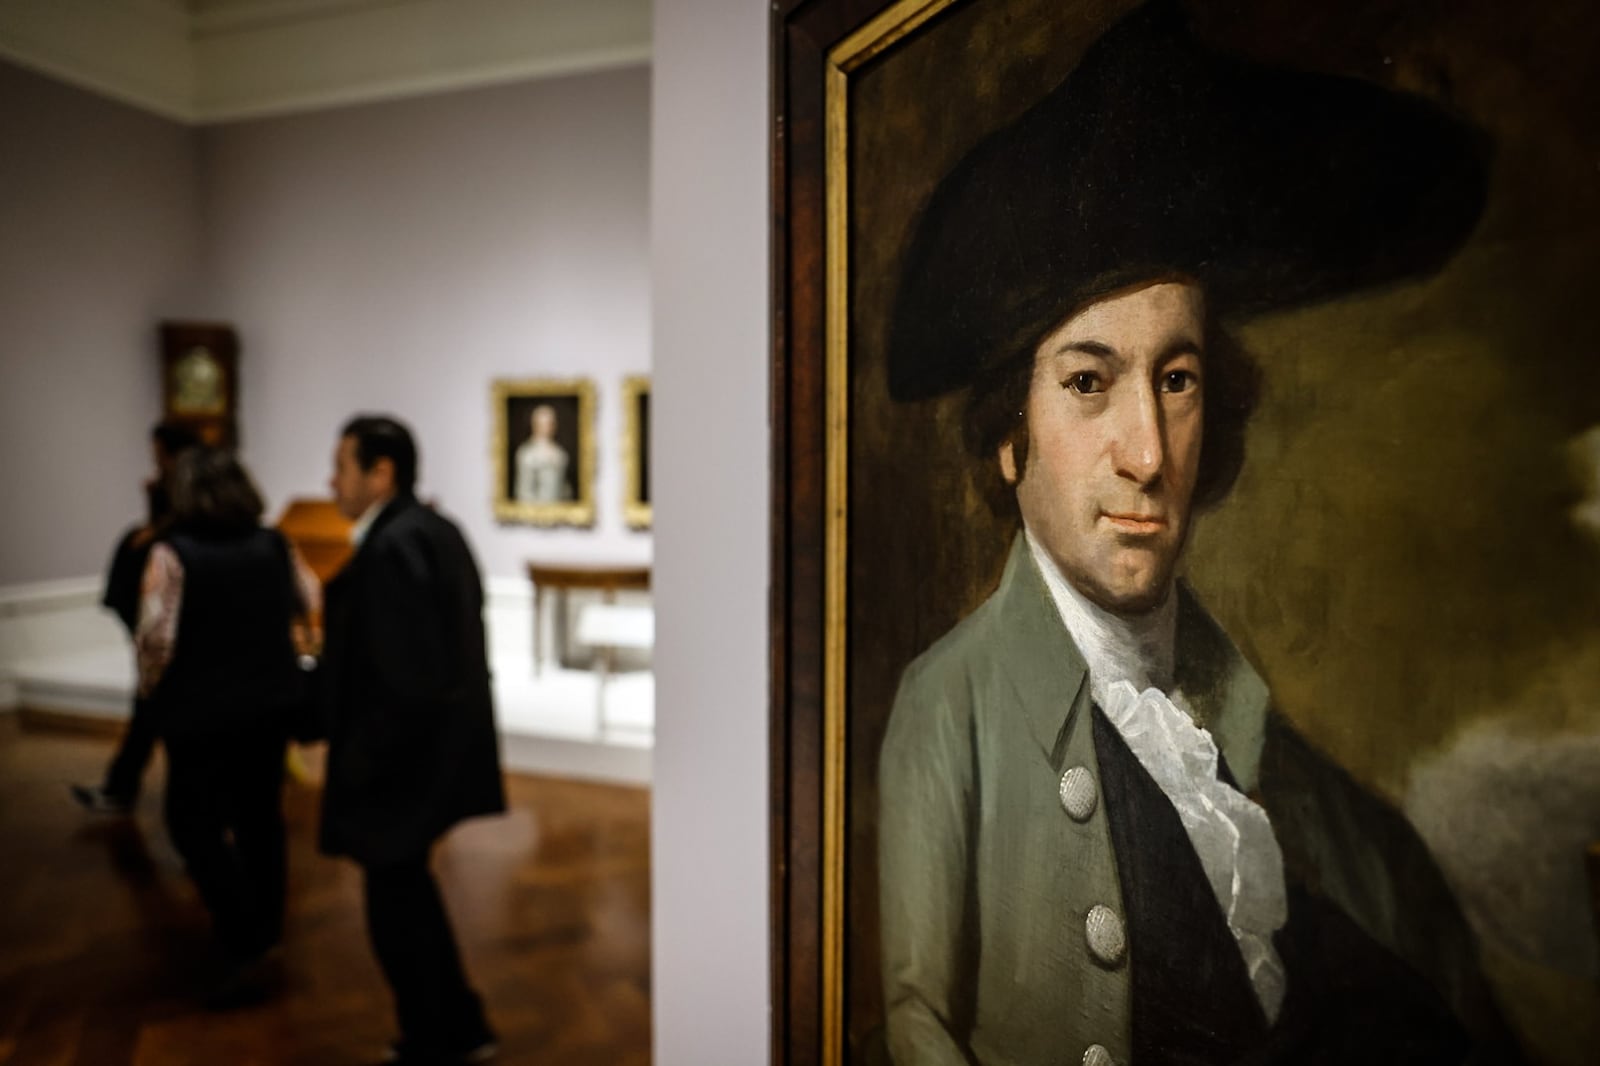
(559, 577)
(320, 532)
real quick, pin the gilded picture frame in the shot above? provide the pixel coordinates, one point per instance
(1398, 555)
(542, 451)
(200, 379)
(636, 495)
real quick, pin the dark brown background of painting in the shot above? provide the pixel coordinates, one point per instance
(642, 445)
(1398, 558)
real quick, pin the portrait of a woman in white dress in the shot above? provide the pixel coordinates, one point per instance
(542, 448)
(541, 463)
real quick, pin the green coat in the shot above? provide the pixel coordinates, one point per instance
(986, 880)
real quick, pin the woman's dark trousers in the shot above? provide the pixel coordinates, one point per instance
(224, 811)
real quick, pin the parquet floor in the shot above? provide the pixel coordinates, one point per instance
(103, 941)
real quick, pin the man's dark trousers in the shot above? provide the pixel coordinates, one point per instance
(414, 945)
(412, 750)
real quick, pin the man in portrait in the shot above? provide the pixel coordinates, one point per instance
(1098, 840)
(540, 463)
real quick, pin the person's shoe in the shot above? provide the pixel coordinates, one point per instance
(96, 799)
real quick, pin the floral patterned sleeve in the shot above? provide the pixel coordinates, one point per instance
(160, 597)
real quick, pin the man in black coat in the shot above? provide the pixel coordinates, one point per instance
(412, 747)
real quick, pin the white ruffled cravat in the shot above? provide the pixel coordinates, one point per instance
(1130, 661)
(1230, 833)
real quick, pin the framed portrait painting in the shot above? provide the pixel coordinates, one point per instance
(636, 509)
(1185, 561)
(543, 451)
(200, 379)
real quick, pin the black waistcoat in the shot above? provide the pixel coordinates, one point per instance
(1192, 1001)
(1349, 1000)
(234, 662)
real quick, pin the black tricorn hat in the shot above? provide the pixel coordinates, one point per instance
(1159, 156)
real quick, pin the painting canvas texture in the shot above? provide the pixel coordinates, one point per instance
(1316, 281)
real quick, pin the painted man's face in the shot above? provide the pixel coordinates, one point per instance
(1114, 417)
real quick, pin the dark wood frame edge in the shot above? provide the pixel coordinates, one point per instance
(802, 34)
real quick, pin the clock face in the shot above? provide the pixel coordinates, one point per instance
(199, 385)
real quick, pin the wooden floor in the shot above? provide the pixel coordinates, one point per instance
(103, 941)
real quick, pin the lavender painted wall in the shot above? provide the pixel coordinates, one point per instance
(709, 802)
(399, 256)
(98, 241)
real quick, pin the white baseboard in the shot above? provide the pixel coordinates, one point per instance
(61, 653)
(52, 618)
(54, 636)
(589, 760)
(49, 595)
(75, 700)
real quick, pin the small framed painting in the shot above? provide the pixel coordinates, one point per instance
(200, 379)
(636, 451)
(543, 451)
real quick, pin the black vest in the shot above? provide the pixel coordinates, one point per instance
(1192, 1002)
(234, 662)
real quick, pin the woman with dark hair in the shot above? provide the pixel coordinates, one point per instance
(218, 663)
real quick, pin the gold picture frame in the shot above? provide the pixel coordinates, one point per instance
(200, 379)
(553, 484)
(636, 507)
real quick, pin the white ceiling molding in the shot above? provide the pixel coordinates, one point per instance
(260, 57)
(217, 60)
(135, 51)
(212, 16)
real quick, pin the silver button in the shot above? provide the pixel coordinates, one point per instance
(1079, 796)
(1098, 1056)
(1103, 929)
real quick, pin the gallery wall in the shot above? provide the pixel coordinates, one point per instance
(399, 256)
(709, 804)
(394, 256)
(99, 239)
